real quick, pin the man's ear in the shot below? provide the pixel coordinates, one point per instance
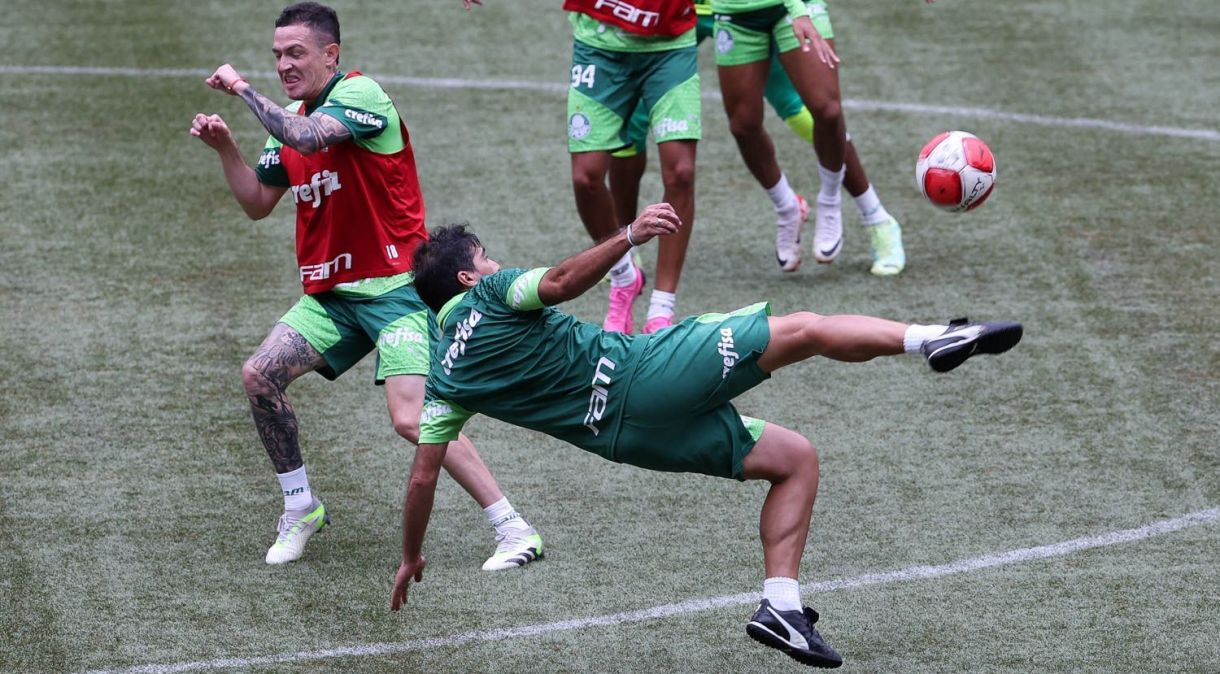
(332, 54)
(468, 279)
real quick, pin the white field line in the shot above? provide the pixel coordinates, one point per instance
(557, 87)
(693, 605)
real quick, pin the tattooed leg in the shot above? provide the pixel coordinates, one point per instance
(282, 357)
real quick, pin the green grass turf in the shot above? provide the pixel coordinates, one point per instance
(136, 505)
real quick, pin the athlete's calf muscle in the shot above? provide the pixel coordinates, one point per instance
(282, 357)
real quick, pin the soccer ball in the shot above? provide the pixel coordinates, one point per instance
(955, 171)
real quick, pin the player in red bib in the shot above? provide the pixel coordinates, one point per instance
(343, 153)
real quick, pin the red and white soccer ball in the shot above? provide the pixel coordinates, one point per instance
(955, 171)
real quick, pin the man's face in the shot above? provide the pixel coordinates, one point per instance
(304, 64)
(483, 264)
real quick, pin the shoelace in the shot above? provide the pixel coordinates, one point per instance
(287, 527)
(506, 542)
(787, 234)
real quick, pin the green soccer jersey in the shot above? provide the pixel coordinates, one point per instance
(794, 7)
(594, 33)
(360, 104)
(502, 353)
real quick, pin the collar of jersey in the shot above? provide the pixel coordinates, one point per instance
(317, 103)
(447, 309)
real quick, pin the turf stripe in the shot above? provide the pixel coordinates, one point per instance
(695, 605)
(556, 87)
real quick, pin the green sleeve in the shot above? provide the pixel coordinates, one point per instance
(361, 105)
(796, 8)
(441, 421)
(522, 293)
(269, 169)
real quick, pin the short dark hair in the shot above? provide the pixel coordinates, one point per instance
(320, 19)
(437, 261)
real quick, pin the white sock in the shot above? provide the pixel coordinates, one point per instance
(915, 336)
(783, 593)
(832, 182)
(784, 198)
(504, 517)
(871, 210)
(661, 303)
(295, 485)
(622, 274)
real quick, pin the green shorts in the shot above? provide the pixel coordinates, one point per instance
(748, 37)
(607, 86)
(677, 415)
(779, 91)
(345, 327)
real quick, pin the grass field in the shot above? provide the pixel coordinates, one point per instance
(136, 503)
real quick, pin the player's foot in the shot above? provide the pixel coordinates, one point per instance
(964, 339)
(657, 323)
(295, 527)
(515, 548)
(793, 633)
(788, 238)
(618, 316)
(827, 232)
(885, 243)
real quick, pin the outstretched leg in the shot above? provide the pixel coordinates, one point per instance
(855, 339)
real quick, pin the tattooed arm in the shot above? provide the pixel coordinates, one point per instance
(303, 134)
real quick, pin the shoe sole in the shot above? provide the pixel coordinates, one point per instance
(997, 337)
(767, 638)
(536, 556)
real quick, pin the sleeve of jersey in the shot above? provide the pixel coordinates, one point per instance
(361, 106)
(796, 8)
(522, 292)
(269, 170)
(441, 421)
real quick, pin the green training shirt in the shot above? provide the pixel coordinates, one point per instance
(795, 7)
(594, 33)
(502, 353)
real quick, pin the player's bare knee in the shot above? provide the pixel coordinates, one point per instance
(745, 127)
(407, 428)
(827, 111)
(586, 183)
(255, 379)
(679, 177)
(804, 457)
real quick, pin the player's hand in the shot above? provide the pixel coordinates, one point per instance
(811, 40)
(467, 4)
(655, 220)
(212, 130)
(407, 571)
(226, 79)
